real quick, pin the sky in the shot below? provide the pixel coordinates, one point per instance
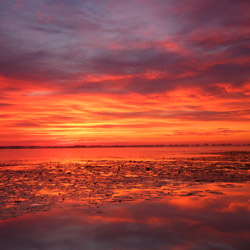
(124, 72)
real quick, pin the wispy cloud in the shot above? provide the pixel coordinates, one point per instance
(122, 65)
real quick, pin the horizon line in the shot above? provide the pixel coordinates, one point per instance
(126, 146)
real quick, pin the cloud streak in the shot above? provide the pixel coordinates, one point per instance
(114, 63)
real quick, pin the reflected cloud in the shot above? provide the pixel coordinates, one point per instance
(134, 225)
(189, 200)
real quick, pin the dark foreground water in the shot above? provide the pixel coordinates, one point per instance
(129, 198)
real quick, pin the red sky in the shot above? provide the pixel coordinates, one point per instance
(124, 72)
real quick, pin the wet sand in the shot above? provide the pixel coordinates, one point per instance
(26, 188)
(200, 190)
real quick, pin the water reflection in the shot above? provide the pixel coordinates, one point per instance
(210, 222)
(177, 203)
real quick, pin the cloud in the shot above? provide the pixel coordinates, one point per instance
(5, 104)
(219, 131)
(72, 39)
(26, 124)
(39, 93)
(195, 115)
(173, 53)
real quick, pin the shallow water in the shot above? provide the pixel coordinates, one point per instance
(137, 153)
(141, 198)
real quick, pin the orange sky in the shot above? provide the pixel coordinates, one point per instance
(110, 72)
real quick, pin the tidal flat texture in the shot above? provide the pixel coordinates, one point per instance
(29, 188)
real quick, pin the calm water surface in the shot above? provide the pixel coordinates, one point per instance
(125, 198)
(78, 154)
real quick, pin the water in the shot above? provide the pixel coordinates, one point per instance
(125, 198)
(78, 154)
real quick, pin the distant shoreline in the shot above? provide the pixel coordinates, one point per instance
(127, 146)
